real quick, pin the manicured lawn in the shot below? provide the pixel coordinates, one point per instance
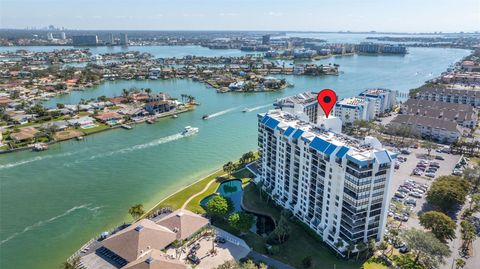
(301, 243)
(177, 200)
(100, 126)
(374, 265)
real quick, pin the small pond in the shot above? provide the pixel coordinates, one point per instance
(233, 190)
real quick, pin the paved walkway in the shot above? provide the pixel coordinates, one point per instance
(198, 193)
(269, 261)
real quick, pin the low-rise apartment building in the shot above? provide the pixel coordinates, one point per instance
(440, 130)
(450, 95)
(463, 115)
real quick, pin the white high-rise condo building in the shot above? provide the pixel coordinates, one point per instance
(384, 100)
(303, 105)
(354, 108)
(336, 185)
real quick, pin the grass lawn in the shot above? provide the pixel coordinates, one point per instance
(374, 265)
(177, 200)
(100, 126)
(301, 242)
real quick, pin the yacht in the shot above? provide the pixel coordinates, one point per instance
(189, 130)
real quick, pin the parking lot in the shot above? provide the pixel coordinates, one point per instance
(199, 253)
(404, 173)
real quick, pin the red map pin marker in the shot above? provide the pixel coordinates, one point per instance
(327, 99)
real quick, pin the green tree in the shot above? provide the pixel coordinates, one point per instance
(350, 248)
(73, 264)
(136, 211)
(218, 207)
(459, 263)
(228, 168)
(468, 232)
(241, 221)
(427, 249)
(282, 230)
(360, 248)
(307, 262)
(60, 106)
(429, 146)
(441, 225)
(448, 192)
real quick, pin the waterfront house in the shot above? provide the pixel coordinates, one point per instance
(108, 116)
(56, 125)
(82, 121)
(155, 107)
(24, 134)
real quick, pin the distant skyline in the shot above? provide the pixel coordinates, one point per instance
(270, 15)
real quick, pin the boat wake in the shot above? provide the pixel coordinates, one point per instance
(44, 222)
(220, 113)
(257, 108)
(150, 144)
(38, 158)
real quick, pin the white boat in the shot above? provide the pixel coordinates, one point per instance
(189, 130)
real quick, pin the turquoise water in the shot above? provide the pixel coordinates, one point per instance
(51, 202)
(231, 189)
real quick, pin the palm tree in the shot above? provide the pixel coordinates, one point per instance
(229, 168)
(371, 247)
(73, 264)
(214, 234)
(350, 248)
(177, 244)
(125, 93)
(459, 263)
(360, 248)
(136, 211)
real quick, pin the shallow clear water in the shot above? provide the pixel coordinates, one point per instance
(52, 202)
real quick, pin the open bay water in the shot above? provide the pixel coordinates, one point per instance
(54, 201)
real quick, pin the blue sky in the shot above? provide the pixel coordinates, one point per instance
(301, 15)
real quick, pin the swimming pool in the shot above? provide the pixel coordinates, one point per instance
(88, 126)
(231, 189)
(112, 122)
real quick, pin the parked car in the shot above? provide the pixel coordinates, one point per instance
(417, 172)
(193, 258)
(400, 195)
(439, 158)
(220, 240)
(404, 249)
(416, 194)
(404, 190)
(432, 175)
(411, 201)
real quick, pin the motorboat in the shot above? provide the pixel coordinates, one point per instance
(205, 117)
(245, 110)
(189, 130)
